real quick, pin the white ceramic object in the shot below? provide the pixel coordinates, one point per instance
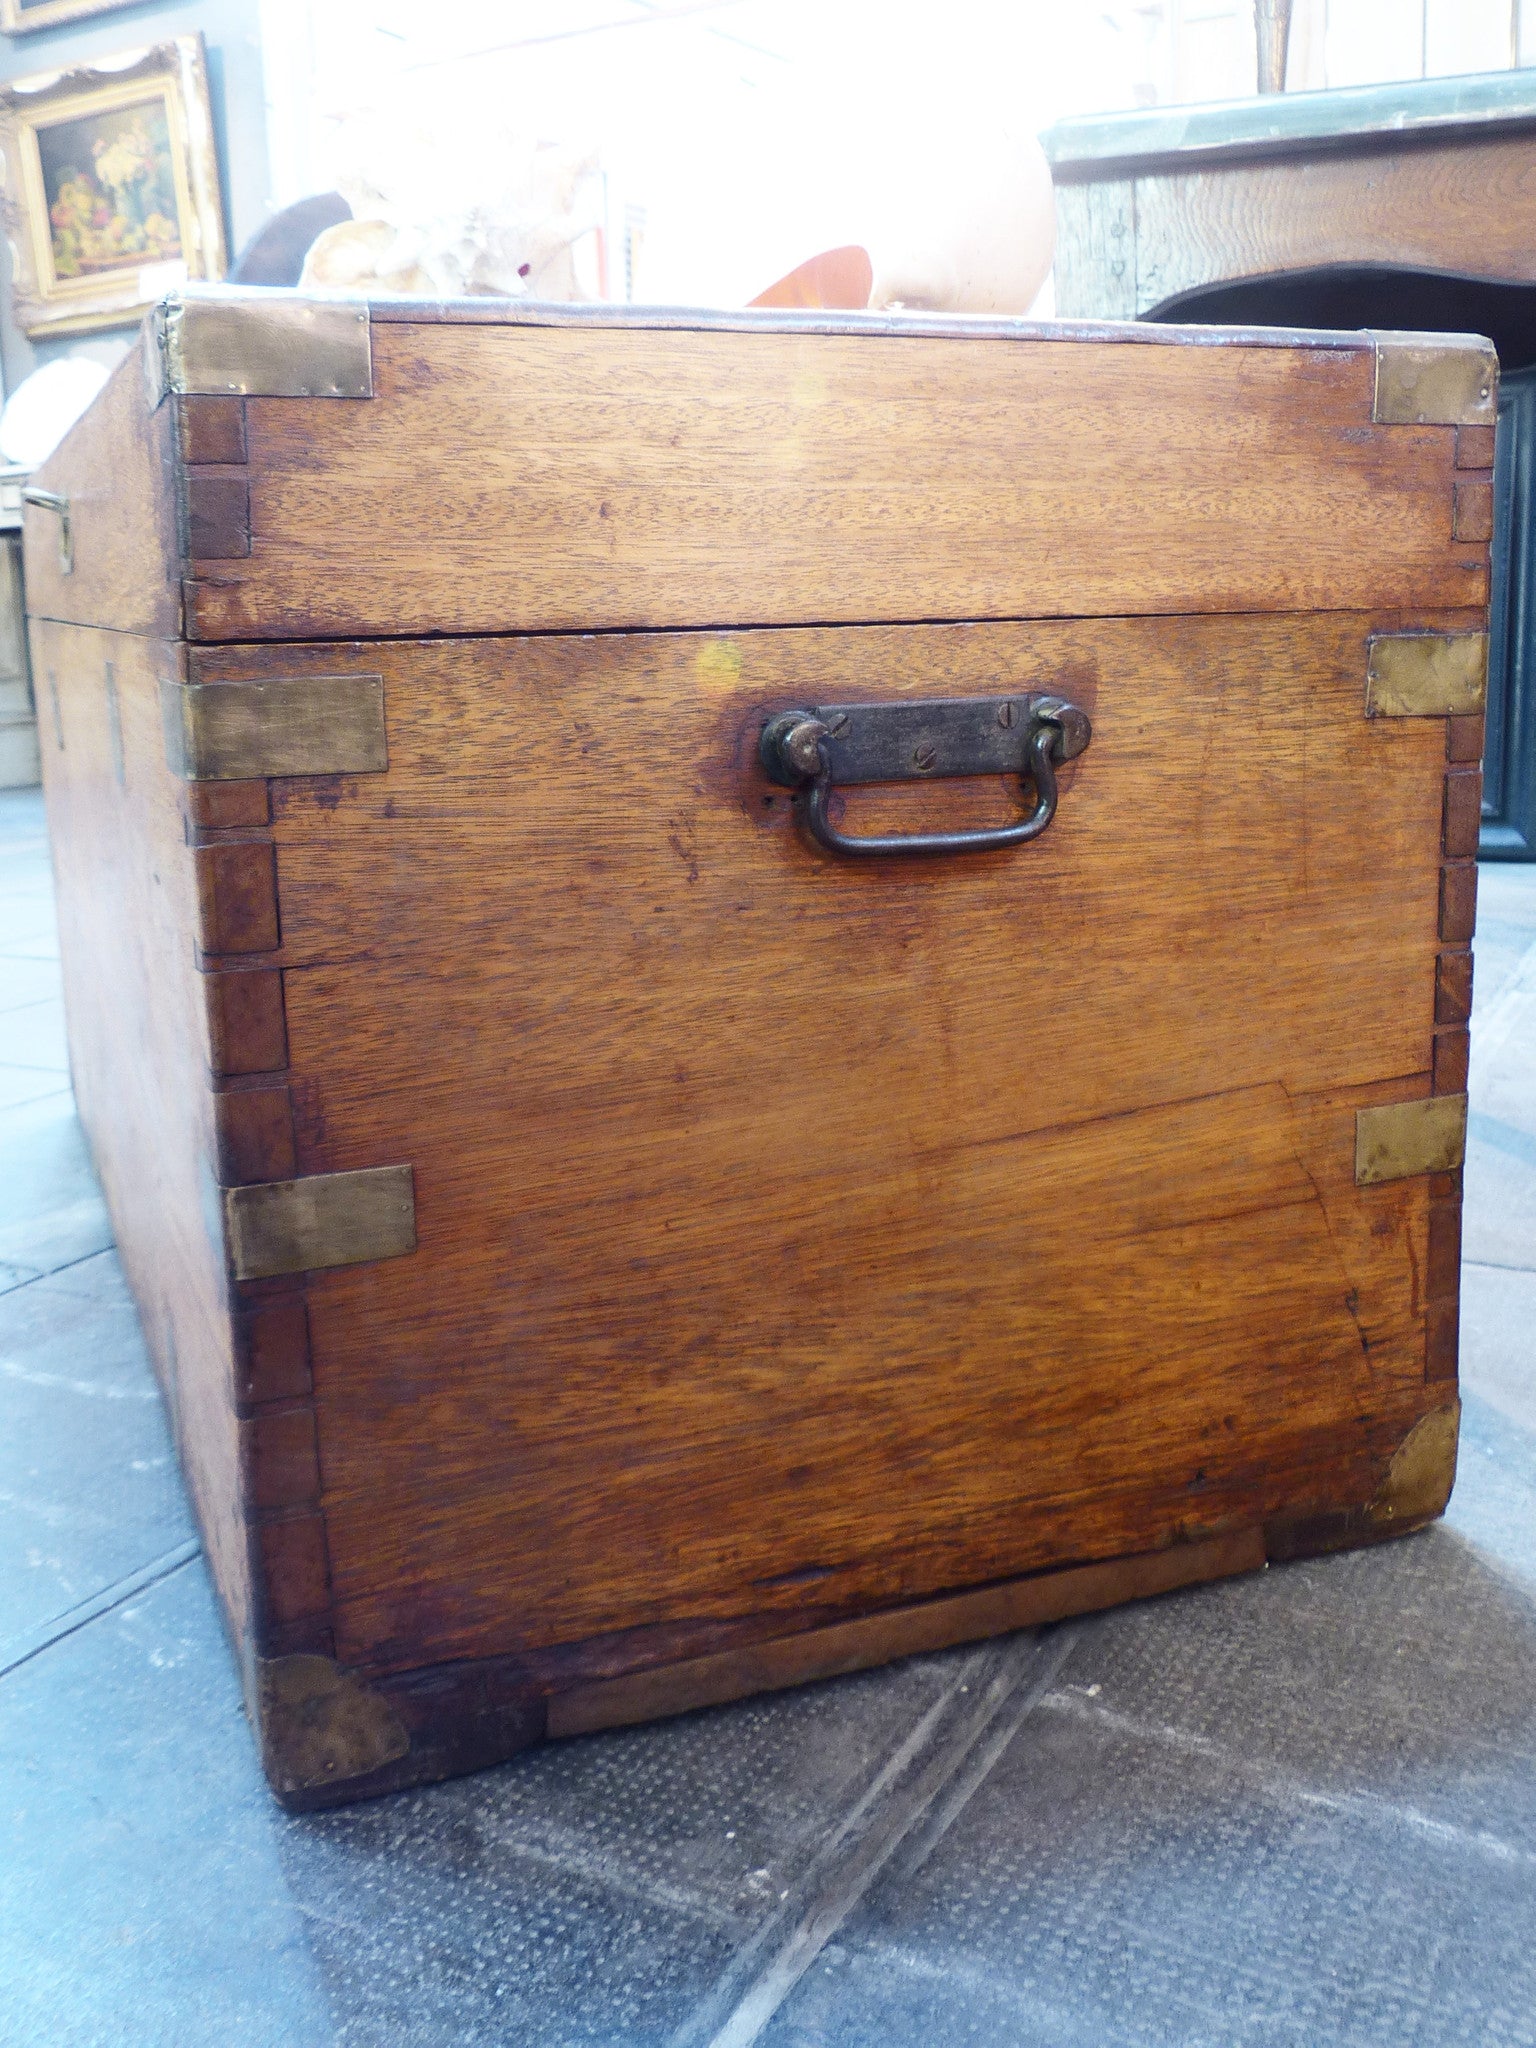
(967, 223)
(43, 408)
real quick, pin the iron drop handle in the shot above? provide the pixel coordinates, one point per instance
(814, 751)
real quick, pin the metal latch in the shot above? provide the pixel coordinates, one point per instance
(52, 501)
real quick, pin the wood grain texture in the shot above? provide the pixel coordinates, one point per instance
(1467, 206)
(253, 1127)
(1458, 902)
(246, 1031)
(699, 1277)
(1475, 447)
(901, 1632)
(1473, 515)
(225, 806)
(272, 1351)
(117, 468)
(139, 1053)
(1453, 988)
(1453, 1051)
(217, 510)
(1463, 812)
(611, 477)
(210, 429)
(1440, 1357)
(236, 896)
(280, 1460)
(1464, 737)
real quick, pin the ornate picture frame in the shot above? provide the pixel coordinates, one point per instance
(23, 17)
(112, 194)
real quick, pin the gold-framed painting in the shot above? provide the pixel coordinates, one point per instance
(112, 192)
(21, 17)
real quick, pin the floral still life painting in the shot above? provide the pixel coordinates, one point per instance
(111, 187)
(111, 190)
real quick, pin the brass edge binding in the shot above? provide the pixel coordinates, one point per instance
(1397, 1139)
(320, 1724)
(288, 725)
(320, 1220)
(1440, 380)
(259, 344)
(1425, 675)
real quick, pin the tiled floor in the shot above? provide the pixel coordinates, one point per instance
(1297, 1809)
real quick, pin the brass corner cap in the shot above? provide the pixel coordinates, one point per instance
(1396, 1139)
(320, 1724)
(1425, 675)
(1422, 1472)
(259, 343)
(1439, 380)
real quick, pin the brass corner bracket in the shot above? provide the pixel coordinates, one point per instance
(288, 725)
(259, 343)
(1422, 1472)
(1397, 1139)
(320, 1724)
(320, 1220)
(1425, 675)
(1435, 380)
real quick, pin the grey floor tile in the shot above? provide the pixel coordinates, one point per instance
(142, 1903)
(23, 817)
(33, 1036)
(27, 981)
(89, 1490)
(1499, 1210)
(1289, 1810)
(1494, 1505)
(1498, 1338)
(51, 1211)
(28, 939)
(594, 1891)
(22, 1085)
(27, 925)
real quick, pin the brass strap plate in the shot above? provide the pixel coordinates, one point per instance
(1397, 1139)
(320, 1220)
(291, 725)
(1441, 380)
(260, 344)
(1425, 675)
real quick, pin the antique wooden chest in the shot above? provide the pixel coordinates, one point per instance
(614, 1239)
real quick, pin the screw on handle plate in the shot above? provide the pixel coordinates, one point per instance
(813, 751)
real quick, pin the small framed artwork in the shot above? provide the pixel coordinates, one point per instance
(111, 187)
(20, 17)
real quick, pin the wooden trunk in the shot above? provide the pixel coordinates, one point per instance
(606, 1252)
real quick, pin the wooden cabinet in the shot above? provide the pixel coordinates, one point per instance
(1411, 205)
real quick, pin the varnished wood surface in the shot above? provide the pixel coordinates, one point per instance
(905, 1632)
(792, 1231)
(613, 474)
(1136, 241)
(610, 477)
(138, 1046)
(116, 466)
